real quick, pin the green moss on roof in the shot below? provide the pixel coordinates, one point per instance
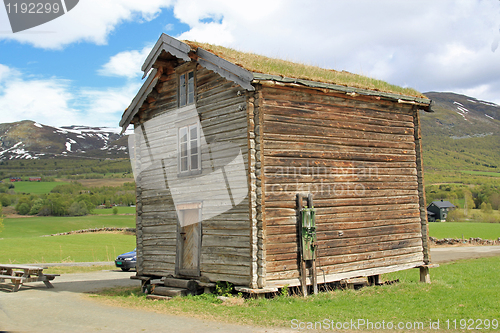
(261, 64)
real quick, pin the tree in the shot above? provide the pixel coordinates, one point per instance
(115, 210)
(78, 209)
(486, 208)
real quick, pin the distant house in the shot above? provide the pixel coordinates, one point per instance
(35, 179)
(438, 210)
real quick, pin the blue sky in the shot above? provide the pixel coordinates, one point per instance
(84, 67)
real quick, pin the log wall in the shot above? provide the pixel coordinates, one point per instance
(357, 156)
(225, 245)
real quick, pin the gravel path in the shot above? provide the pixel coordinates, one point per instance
(452, 253)
(34, 308)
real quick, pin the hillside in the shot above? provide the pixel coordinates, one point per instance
(27, 140)
(463, 134)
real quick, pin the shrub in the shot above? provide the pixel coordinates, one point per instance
(115, 211)
(78, 209)
(486, 208)
(23, 209)
(5, 200)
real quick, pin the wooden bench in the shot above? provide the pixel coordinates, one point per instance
(20, 274)
(16, 280)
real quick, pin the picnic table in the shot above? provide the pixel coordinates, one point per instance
(20, 274)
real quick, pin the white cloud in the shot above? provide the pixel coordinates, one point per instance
(428, 45)
(108, 105)
(46, 101)
(126, 64)
(89, 20)
(57, 102)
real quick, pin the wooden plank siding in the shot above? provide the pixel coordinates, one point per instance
(358, 158)
(225, 245)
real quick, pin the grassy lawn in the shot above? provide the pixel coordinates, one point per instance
(459, 291)
(467, 229)
(78, 269)
(109, 211)
(482, 173)
(20, 241)
(36, 187)
(70, 248)
(45, 225)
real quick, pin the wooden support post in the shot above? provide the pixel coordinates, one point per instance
(374, 280)
(424, 274)
(303, 277)
(314, 277)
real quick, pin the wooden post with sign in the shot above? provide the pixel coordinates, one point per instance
(307, 241)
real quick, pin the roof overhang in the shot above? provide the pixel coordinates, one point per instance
(183, 51)
(423, 103)
(241, 76)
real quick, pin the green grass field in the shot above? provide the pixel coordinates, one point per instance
(459, 291)
(36, 187)
(467, 229)
(26, 227)
(482, 173)
(109, 211)
(21, 241)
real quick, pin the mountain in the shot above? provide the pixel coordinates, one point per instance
(30, 140)
(463, 133)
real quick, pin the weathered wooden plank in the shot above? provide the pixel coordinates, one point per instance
(338, 123)
(339, 155)
(325, 254)
(337, 178)
(350, 233)
(348, 267)
(226, 241)
(320, 163)
(321, 131)
(333, 112)
(342, 195)
(307, 96)
(332, 277)
(329, 214)
(344, 205)
(345, 148)
(291, 228)
(337, 140)
(225, 269)
(226, 259)
(287, 247)
(240, 280)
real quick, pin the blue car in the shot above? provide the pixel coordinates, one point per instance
(126, 261)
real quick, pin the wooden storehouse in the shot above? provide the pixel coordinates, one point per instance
(224, 145)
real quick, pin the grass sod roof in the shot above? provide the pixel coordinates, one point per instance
(265, 65)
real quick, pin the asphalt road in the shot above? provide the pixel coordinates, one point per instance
(34, 308)
(452, 253)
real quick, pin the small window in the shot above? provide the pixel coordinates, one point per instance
(189, 149)
(186, 89)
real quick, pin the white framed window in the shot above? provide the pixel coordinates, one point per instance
(186, 88)
(189, 157)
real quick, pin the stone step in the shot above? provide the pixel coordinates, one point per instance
(170, 291)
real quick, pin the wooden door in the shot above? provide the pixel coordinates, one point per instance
(188, 243)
